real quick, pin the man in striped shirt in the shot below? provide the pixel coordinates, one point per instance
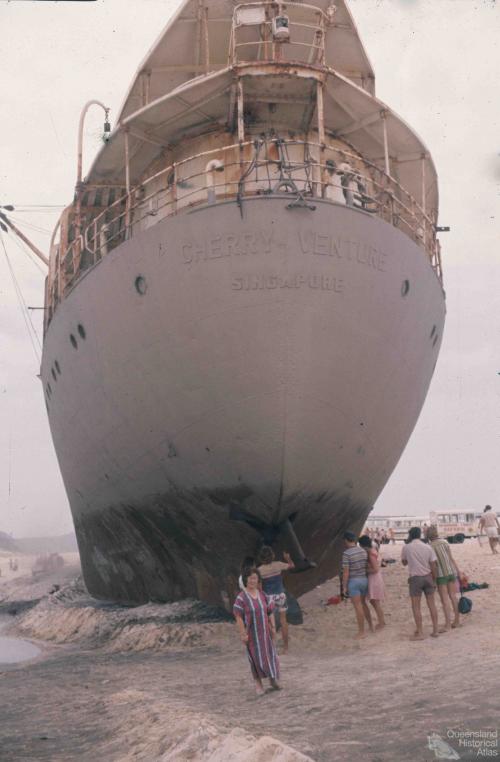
(355, 580)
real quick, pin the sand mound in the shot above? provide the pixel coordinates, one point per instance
(165, 733)
(69, 615)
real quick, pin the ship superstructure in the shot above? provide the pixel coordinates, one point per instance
(244, 304)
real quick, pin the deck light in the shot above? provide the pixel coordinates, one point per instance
(281, 32)
(107, 130)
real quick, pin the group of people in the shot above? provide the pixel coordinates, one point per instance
(381, 536)
(431, 567)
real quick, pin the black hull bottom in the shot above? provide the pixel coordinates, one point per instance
(174, 548)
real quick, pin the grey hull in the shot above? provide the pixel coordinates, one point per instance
(264, 365)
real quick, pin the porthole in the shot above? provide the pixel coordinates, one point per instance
(81, 331)
(73, 341)
(405, 287)
(433, 332)
(140, 285)
(58, 367)
(53, 374)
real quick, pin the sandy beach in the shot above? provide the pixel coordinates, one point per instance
(170, 682)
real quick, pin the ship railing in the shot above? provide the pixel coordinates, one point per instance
(272, 32)
(297, 169)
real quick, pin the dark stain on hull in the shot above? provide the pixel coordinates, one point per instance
(176, 546)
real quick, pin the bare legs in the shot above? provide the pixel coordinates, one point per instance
(380, 614)
(362, 612)
(417, 615)
(449, 604)
(443, 594)
(284, 631)
(431, 605)
(493, 543)
(454, 603)
(259, 688)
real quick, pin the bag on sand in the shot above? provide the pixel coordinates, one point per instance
(294, 613)
(464, 605)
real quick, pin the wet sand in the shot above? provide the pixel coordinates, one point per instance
(145, 685)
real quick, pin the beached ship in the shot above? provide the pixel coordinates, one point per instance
(244, 304)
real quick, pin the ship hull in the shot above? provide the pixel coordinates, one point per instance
(234, 368)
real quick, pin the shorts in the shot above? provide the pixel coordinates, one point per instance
(419, 585)
(279, 600)
(491, 531)
(357, 586)
(446, 579)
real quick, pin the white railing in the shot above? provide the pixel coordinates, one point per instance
(303, 172)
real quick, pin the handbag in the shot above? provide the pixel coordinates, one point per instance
(464, 604)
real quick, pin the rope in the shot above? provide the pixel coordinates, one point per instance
(37, 207)
(22, 246)
(239, 196)
(24, 310)
(23, 223)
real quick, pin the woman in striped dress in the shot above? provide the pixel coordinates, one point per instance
(448, 574)
(255, 622)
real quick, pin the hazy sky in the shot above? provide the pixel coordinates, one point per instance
(436, 63)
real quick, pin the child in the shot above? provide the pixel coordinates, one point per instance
(272, 585)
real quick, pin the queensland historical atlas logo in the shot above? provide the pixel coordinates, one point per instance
(471, 744)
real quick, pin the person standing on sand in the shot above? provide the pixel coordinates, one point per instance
(272, 585)
(355, 581)
(376, 589)
(421, 561)
(448, 573)
(489, 523)
(255, 623)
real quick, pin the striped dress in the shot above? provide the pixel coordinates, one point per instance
(260, 647)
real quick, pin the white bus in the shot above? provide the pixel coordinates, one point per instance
(455, 526)
(400, 525)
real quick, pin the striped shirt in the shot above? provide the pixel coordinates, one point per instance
(356, 560)
(443, 555)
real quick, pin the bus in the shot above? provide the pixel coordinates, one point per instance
(400, 525)
(456, 526)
